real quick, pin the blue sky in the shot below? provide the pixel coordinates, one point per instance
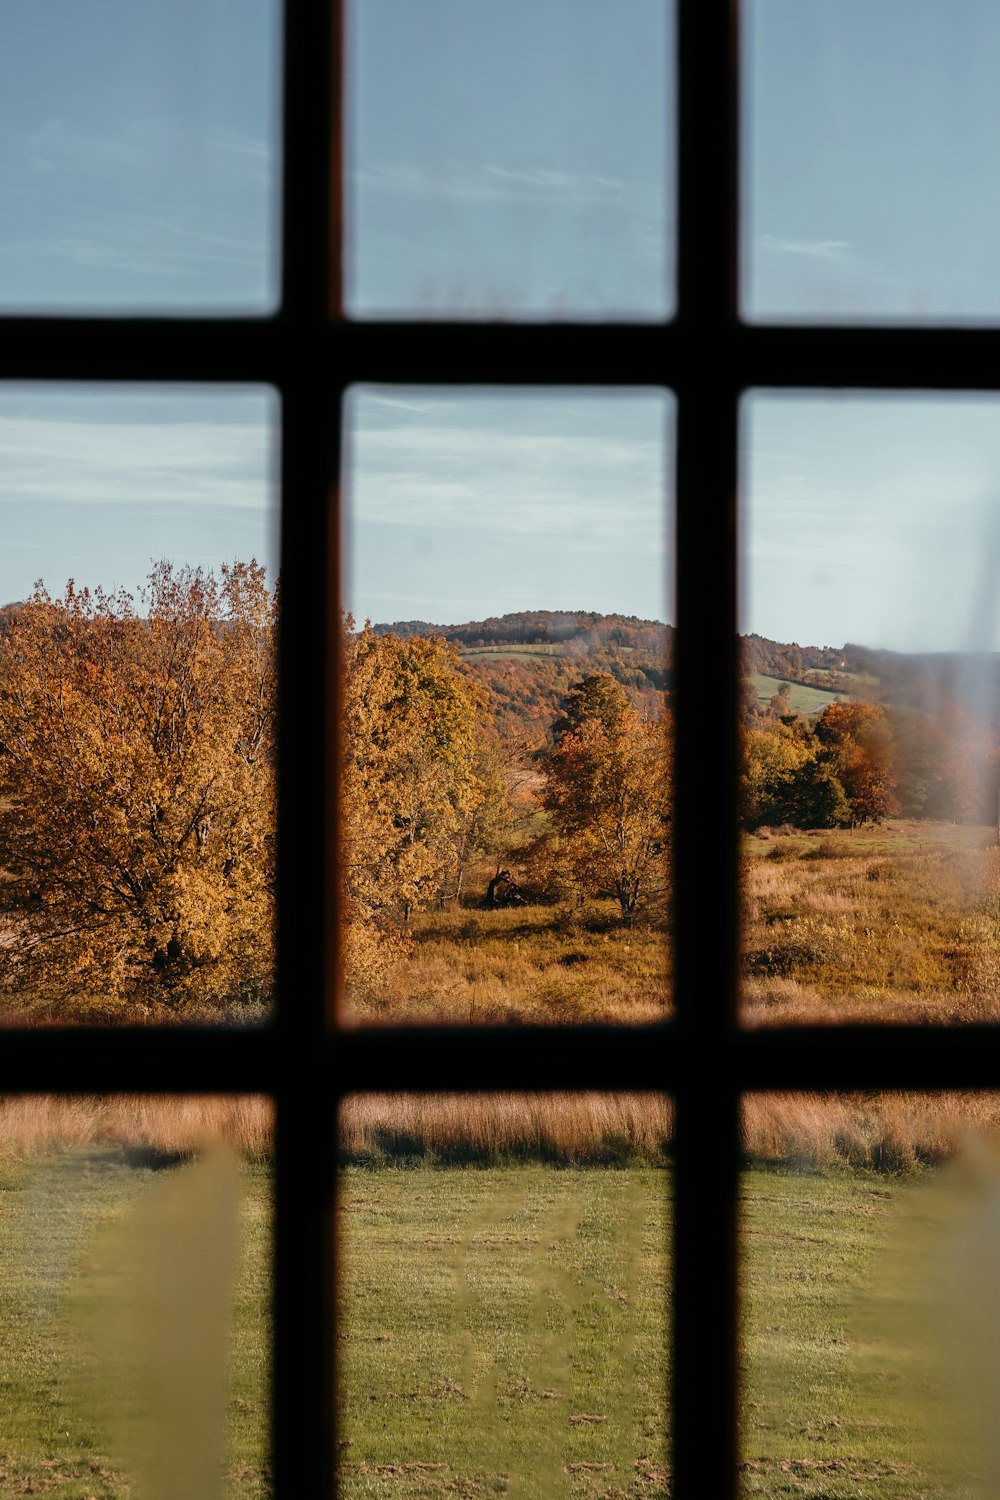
(871, 141)
(97, 482)
(510, 161)
(139, 155)
(466, 506)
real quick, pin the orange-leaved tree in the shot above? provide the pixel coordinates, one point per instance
(608, 790)
(420, 790)
(859, 737)
(137, 792)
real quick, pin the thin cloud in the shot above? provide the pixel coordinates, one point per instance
(490, 183)
(816, 249)
(217, 463)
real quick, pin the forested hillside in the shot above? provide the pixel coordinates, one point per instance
(528, 662)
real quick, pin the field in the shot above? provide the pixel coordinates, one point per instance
(503, 1331)
(802, 699)
(77, 1178)
(894, 922)
(527, 963)
(889, 922)
(512, 653)
(504, 1290)
(484, 1309)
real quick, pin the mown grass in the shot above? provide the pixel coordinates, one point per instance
(838, 1400)
(483, 1308)
(503, 1331)
(54, 1206)
(899, 922)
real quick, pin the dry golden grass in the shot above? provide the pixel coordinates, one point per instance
(149, 1122)
(883, 1132)
(531, 963)
(895, 923)
(576, 1127)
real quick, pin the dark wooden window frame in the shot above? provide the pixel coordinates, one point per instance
(708, 358)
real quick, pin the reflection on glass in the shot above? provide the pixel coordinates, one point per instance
(870, 136)
(503, 1294)
(869, 1240)
(137, 705)
(871, 709)
(138, 153)
(509, 163)
(135, 1244)
(507, 807)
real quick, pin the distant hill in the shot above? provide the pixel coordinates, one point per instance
(529, 660)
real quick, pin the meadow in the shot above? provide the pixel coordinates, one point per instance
(895, 921)
(504, 1289)
(538, 962)
(75, 1174)
(802, 699)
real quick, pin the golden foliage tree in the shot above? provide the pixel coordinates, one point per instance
(418, 791)
(137, 791)
(609, 794)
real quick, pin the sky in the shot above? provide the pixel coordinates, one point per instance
(511, 161)
(98, 482)
(461, 507)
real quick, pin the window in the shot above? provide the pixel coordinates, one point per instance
(708, 359)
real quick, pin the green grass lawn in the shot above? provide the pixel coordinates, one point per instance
(53, 1213)
(482, 1309)
(503, 1331)
(502, 1321)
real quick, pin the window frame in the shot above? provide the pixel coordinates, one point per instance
(303, 1059)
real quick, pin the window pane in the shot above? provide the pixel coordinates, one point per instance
(503, 1294)
(872, 694)
(135, 1246)
(137, 702)
(870, 143)
(507, 763)
(139, 156)
(869, 1247)
(509, 162)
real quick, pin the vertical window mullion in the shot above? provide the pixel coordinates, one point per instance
(704, 1389)
(302, 1403)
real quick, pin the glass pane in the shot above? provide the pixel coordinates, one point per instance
(137, 703)
(503, 1295)
(870, 143)
(139, 156)
(135, 1241)
(869, 1239)
(870, 713)
(507, 794)
(509, 161)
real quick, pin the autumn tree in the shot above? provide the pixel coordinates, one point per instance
(419, 789)
(608, 793)
(789, 777)
(859, 737)
(137, 792)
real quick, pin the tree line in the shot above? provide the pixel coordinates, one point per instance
(138, 797)
(859, 762)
